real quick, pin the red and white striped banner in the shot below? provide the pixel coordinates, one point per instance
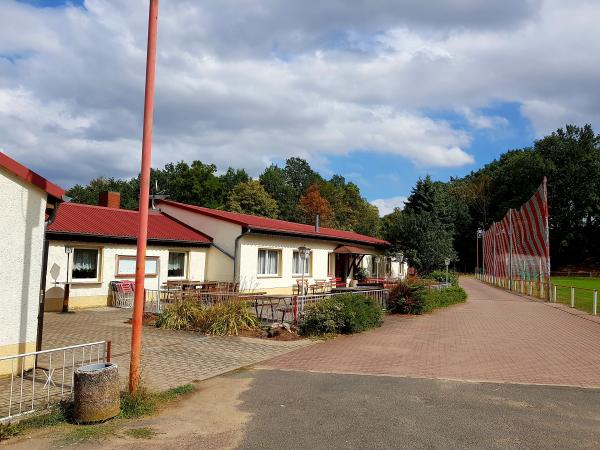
(518, 247)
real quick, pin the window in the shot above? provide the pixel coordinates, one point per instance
(126, 266)
(297, 264)
(268, 262)
(176, 265)
(85, 264)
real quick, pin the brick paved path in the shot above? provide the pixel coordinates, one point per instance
(495, 336)
(169, 358)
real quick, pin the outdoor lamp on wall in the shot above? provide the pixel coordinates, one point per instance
(447, 262)
(65, 307)
(303, 253)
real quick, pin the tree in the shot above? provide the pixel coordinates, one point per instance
(230, 179)
(312, 204)
(89, 194)
(273, 179)
(251, 198)
(421, 198)
(299, 175)
(423, 239)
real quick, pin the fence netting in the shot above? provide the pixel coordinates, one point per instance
(517, 248)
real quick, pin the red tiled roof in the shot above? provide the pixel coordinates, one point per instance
(88, 220)
(281, 226)
(30, 176)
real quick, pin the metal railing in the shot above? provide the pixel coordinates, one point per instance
(281, 308)
(584, 299)
(36, 380)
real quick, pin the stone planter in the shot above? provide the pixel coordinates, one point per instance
(353, 283)
(96, 393)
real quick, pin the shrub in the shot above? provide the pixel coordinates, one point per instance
(440, 275)
(413, 297)
(407, 297)
(444, 297)
(226, 318)
(179, 316)
(360, 274)
(345, 314)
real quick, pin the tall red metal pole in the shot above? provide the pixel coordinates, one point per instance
(140, 262)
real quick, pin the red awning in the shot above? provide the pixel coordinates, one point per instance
(351, 250)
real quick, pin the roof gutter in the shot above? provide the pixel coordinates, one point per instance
(42, 295)
(236, 269)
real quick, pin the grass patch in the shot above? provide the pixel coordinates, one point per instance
(58, 415)
(82, 433)
(584, 291)
(143, 403)
(141, 433)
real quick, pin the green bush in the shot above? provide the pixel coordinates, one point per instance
(226, 319)
(221, 319)
(415, 298)
(345, 314)
(179, 316)
(440, 275)
(444, 297)
(407, 297)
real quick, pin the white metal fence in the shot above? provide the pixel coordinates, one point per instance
(579, 298)
(35, 380)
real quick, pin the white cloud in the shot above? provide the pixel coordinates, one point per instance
(387, 205)
(482, 121)
(244, 83)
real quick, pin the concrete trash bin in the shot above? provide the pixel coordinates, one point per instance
(96, 393)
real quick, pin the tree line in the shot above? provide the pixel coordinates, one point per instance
(294, 192)
(439, 220)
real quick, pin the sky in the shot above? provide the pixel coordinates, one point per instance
(380, 91)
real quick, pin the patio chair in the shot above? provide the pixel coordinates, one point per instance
(301, 289)
(122, 293)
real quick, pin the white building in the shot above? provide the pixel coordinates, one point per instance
(102, 242)
(26, 199)
(262, 254)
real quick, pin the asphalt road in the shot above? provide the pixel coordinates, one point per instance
(289, 409)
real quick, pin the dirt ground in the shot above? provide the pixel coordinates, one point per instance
(207, 418)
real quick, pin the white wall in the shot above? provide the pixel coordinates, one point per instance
(87, 293)
(222, 232)
(22, 207)
(249, 246)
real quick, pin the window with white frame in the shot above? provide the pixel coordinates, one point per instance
(268, 262)
(126, 266)
(86, 263)
(298, 262)
(177, 261)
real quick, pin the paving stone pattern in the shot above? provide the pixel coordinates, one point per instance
(169, 358)
(495, 336)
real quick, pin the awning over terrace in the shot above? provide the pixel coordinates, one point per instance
(351, 250)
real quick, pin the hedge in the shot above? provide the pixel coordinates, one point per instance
(415, 298)
(345, 314)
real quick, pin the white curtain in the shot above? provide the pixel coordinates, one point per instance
(176, 264)
(85, 263)
(267, 262)
(297, 264)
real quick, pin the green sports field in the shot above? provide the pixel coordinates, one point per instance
(584, 291)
